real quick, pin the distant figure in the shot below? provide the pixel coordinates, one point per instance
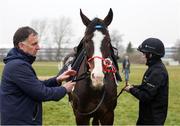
(126, 68)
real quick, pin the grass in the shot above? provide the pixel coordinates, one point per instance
(126, 112)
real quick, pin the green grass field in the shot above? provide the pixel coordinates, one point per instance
(126, 112)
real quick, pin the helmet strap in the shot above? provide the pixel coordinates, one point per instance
(151, 58)
(148, 55)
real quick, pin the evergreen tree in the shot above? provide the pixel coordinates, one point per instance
(129, 48)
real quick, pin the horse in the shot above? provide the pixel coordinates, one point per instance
(95, 92)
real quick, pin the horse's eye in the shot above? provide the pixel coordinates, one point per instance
(87, 41)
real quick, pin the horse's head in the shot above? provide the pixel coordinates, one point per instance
(97, 44)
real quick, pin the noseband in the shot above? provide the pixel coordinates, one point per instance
(108, 66)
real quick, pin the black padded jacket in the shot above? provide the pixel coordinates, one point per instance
(153, 95)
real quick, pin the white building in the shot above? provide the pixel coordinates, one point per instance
(168, 58)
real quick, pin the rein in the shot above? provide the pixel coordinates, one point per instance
(99, 104)
(121, 90)
(76, 66)
(95, 109)
(82, 76)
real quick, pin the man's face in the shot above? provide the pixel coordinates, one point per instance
(30, 45)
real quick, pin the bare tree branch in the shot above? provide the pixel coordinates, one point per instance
(116, 40)
(40, 26)
(61, 30)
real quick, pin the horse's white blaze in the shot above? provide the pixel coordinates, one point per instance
(97, 73)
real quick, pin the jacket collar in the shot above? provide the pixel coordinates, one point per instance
(16, 53)
(152, 61)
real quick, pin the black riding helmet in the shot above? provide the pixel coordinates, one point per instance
(152, 45)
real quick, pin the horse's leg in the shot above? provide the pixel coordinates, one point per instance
(95, 121)
(82, 120)
(107, 118)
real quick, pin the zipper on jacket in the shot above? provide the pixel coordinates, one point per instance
(35, 112)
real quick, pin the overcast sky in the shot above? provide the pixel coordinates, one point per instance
(136, 19)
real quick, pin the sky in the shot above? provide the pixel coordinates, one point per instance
(137, 20)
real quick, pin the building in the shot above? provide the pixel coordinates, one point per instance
(44, 54)
(50, 54)
(169, 54)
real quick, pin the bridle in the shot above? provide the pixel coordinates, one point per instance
(108, 67)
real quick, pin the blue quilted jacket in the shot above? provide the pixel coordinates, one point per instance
(22, 93)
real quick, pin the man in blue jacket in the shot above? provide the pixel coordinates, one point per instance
(22, 93)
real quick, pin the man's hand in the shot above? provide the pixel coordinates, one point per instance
(69, 86)
(65, 75)
(128, 87)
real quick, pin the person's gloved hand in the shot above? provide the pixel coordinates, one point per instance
(128, 87)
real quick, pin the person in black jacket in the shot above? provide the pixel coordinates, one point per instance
(153, 91)
(22, 93)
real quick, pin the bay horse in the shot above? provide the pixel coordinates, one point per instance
(95, 94)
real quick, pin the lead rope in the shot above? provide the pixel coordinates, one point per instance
(122, 90)
(95, 109)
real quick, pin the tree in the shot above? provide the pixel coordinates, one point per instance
(116, 40)
(129, 48)
(61, 32)
(40, 26)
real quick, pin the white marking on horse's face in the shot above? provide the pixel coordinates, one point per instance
(97, 73)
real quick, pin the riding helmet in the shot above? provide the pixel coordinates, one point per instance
(152, 45)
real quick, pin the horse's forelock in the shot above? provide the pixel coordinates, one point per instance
(90, 29)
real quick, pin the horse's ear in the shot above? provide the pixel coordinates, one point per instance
(85, 20)
(108, 18)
